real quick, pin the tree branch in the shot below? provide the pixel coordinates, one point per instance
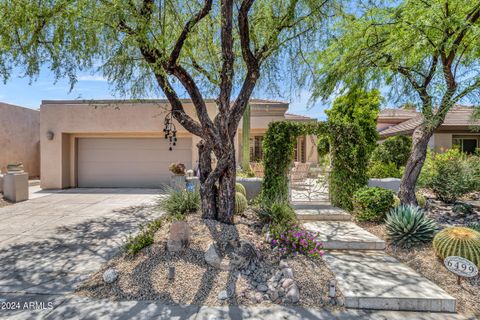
(226, 75)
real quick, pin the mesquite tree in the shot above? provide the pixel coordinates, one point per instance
(426, 50)
(201, 47)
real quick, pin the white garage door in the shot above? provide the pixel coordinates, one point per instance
(129, 162)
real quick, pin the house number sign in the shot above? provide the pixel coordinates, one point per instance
(461, 267)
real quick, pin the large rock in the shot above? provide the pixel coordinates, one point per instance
(213, 259)
(110, 275)
(179, 236)
(293, 294)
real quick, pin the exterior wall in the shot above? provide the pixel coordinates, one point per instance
(442, 141)
(20, 138)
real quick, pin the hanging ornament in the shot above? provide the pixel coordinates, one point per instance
(170, 131)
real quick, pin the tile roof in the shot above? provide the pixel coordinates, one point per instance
(397, 113)
(296, 117)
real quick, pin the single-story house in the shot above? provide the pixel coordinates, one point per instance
(20, 138)
(458, 129)
(113, 143)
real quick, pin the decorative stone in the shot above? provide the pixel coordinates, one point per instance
(287, 273)
(287, 283)
(283, 264)
(293, 294)
(259, 297)
(213, 259)
(223, 295)
(179, 236)
(110, 275)
(273, 295)
(262, 288)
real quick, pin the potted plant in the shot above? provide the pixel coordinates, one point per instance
(177, 181)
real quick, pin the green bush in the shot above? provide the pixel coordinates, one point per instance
(394, 150)
(473, 163)
(381, 170)
(144, 239)
(462, 208)
(408, 226)
(180, 203)
(372, 203)
(240, 188)
(448, 175)
(276, 212)
(421, 200)
(474, 226)
(240, 203)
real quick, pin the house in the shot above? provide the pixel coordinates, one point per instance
(113, 143)
(20, 138)
(458, 129)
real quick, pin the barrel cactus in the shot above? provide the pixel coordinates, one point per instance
(408, 226)
(240, 188)
(458, 241)
(240, 203)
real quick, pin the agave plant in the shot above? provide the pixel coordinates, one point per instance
(408, 226)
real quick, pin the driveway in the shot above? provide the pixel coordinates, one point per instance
(51, 243)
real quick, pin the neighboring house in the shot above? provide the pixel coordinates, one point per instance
(458, 129)
(108, 143)
(20, 138)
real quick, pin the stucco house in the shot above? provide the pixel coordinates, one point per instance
(458, 129)
(20, 138)
(113, 143)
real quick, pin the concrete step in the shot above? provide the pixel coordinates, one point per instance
(344, 235)
(374, 280)
(324, 212)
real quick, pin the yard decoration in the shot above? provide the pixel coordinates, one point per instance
(240, 188)
(240, 203)
(408, 226)
(458, 241)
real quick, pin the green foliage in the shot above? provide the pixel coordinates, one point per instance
(144, 239)
(323, 146)
(295, 239)
(474, 226)
(394, 150)
(277, 213)
(240, 202)
(458, 241)
(421, 200)
(240, 188)
(180, 203)
(372, 203)
(408, 226)
(448, 175)
(380, 170)
(462, 208)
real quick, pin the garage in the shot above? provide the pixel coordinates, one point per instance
(128, 162)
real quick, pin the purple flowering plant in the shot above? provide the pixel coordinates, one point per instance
(295, 240)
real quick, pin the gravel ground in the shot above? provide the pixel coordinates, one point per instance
(3, 202)
(144, 277)
(423, 260)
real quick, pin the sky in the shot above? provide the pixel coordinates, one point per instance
(26, 93)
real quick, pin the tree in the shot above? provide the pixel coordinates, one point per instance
(423, 50)
(201, 46)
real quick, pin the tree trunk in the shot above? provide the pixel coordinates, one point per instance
(208, 191)
(226, 188)
(420, 139)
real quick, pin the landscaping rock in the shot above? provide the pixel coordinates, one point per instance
(259, 297)
(213, 259)
(110, 275)
(283, 264)
(293, 294)
(179, 236)
(273, 295)
(287, 273)
(262, 288)
(287, 283)
(223, 295)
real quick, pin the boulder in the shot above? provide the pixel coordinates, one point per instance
(179, 236)
(213, 259)
(293, 294)
(110, 275)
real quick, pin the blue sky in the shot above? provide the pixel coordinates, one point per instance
(26, 93)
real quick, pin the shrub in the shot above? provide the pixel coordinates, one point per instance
(381, 170)
(448, 175)
(240, 188)
(372, 203)
(240, 202)
(462, 208)
(473, 163)
(180, 203)
(394, 150)
(295, 240)
(144, 239)
(177, 168)
(458, 241)
(421, 200)
(408, 226)
(474, 226)
(276, 212)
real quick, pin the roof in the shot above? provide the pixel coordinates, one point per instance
(390, 113)
(458, 116)
(296, 117)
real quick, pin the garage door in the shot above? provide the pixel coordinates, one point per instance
(129, 162)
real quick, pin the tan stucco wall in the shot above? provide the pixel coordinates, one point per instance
(71, 120)
(442, 141)
(19, 138)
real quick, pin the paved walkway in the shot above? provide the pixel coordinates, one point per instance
(51, 243)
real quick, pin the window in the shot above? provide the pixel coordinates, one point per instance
(256, 150)
(467, 144)
(300, 152)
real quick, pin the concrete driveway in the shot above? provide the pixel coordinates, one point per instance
(51, 243)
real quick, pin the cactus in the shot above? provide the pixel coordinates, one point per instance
(240, 203)
(458, 241)
(462, 208)
(473, 225)
(240, 188)
(408, 226)
(421, 200)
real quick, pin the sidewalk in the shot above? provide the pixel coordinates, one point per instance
(68, 307)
